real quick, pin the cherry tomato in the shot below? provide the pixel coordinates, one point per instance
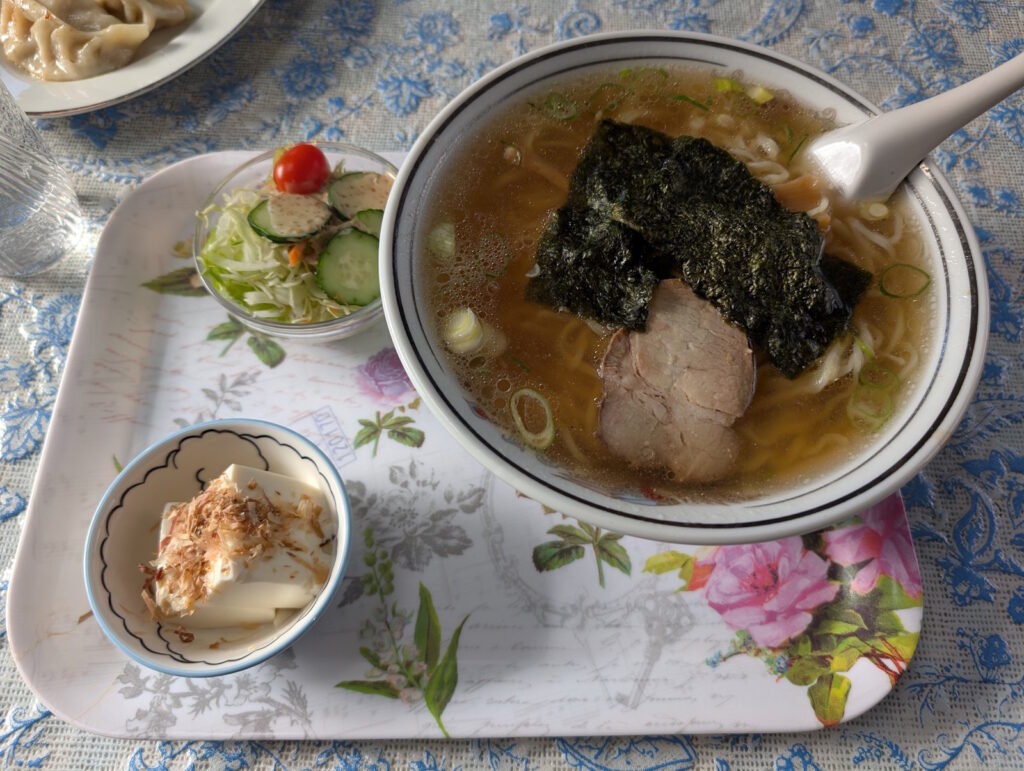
(302, 169)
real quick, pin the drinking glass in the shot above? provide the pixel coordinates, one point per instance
(40, 220)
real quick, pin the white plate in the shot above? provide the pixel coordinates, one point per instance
(559, 652)
(166, 54)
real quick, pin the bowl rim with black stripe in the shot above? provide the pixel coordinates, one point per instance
(938, 401)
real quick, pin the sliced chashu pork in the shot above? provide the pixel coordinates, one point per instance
(672, 393)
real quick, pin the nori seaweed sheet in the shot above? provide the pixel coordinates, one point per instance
(643, 207)
(595, 267)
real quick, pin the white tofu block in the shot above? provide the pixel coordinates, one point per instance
(245, 589)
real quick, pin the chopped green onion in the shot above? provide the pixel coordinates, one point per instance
(463, 332)
(728, 84)
(689, 100)
(864, 347)
(558, 106)
(512, 154)
(874, 375)
(542, 439)
(903, 281)
(875, 211)
(760, 94)
(441, 240)
(613, 92)
(796, 149)
(519, 363)
(869, 408)
(789, 133)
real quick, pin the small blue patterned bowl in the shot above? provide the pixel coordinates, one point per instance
(125, 528)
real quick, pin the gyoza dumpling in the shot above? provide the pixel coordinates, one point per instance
(74, 39)
(153, 13)
(69, 41)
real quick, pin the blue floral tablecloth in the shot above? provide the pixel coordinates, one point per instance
(374, 73)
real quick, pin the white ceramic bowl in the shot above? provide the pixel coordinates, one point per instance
(126, 524)
(931, 410)
(252, 174)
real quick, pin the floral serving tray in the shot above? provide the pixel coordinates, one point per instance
(468, 610)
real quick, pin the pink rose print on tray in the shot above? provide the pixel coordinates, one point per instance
(769, 589)
(879, 545)
(383, 378)
(812, 606)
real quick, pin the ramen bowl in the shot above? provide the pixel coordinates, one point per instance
(931, 402)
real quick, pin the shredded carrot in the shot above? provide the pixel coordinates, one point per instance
(295, 253)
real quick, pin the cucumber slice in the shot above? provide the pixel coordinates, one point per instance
(287, 218)
(370, 220)
(359, 190)
(347, 270)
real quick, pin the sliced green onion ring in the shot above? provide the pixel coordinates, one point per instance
(864, 347)
(441, 241)
(558, 106)
(903, 281)
(463, 332)
(607, 97)
(760, 94)
(869, 408)
(874, 211)
(512, 154)
(542, 439)
(874, 375)
(689, 100)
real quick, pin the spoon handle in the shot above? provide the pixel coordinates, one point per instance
(887, 147)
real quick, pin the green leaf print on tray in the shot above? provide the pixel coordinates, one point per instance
(397, 427)
(182, 281)
(571, 546)
(406, 671)
(268, 351)
(811, 607)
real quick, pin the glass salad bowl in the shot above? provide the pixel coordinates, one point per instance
(276, 287)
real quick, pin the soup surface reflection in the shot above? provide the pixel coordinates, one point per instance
(506, 181)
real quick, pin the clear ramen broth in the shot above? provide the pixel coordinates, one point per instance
(505, 182)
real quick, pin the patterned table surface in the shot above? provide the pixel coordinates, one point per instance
(374, 73)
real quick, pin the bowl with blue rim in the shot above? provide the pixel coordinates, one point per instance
(127, 536)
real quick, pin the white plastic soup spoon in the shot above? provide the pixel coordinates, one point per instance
(868, 160)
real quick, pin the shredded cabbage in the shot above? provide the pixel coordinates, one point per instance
(253, 272)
